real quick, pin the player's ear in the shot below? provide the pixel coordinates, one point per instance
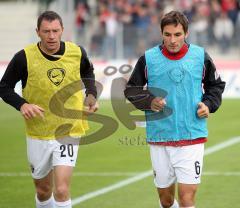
(37, 31)
(186, 35)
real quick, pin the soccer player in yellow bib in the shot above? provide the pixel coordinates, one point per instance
(51, 72)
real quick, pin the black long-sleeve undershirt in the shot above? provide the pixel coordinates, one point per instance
(141, 98)
(17, 71)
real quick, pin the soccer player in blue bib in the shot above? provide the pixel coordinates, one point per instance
(183, 87)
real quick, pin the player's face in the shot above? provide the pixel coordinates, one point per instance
(174, 37)
(50, 33)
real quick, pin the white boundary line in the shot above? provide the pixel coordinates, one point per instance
(221, 173)
(145, 174)
(222, 145)
(115, 174)
(84, 174)
(111, 187)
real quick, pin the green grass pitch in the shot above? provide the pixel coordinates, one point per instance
(114, 154)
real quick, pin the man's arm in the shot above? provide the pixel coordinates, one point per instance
(16, 71)
(212, 84)
(88, 78)
(134, 91)
(87, 74)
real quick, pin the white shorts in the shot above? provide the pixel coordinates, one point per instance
(176, 164)
(43, 155)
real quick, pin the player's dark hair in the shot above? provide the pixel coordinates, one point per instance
(174, 18)
(49, 16)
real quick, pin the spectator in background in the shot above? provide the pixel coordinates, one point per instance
(81, 19)
(170, 6)
(129, 40)
(153, 31)
(136, 18)
(142, 22)
(237, 29)
(223, 30)
(200, 23)
(230, 7)
(216, 10)
(110, 38)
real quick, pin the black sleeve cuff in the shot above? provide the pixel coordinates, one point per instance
(92, 92)
(208, 104)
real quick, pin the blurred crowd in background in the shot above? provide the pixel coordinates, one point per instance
(126, 28)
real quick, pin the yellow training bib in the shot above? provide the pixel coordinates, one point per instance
(56, 87)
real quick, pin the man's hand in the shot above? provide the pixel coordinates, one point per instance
(203, 110)
(158, 104)
(90, 104)
(31, 110)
